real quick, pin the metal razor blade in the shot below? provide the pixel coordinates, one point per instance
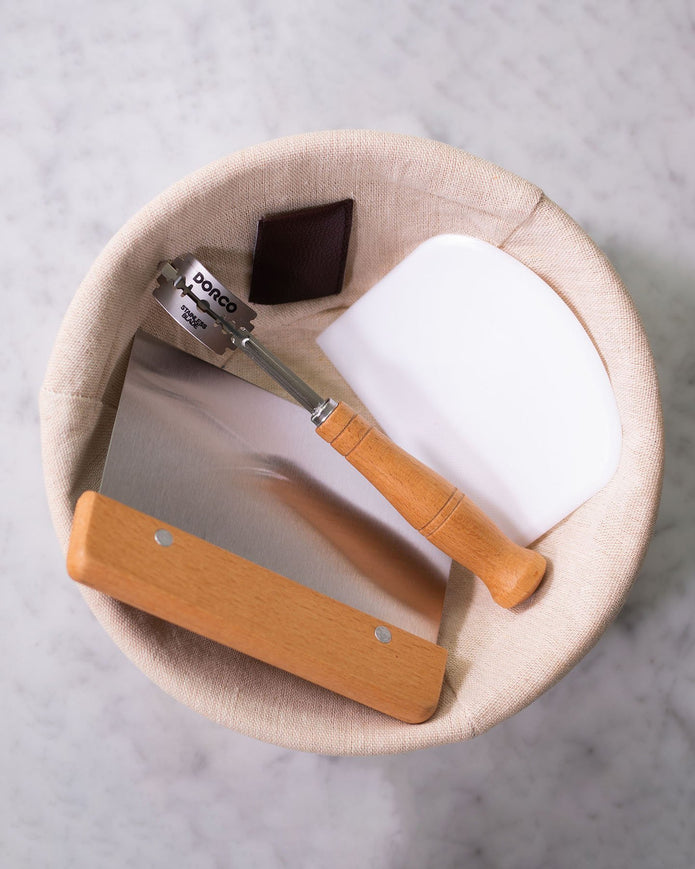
(200, 314)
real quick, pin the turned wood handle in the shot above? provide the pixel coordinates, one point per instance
(254, 610)
(436, 508)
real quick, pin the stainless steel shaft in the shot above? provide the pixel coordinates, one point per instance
(320, 408)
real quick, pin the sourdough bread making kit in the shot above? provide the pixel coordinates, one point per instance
(506, 426)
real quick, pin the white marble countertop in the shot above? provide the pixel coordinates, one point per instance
(105, 105)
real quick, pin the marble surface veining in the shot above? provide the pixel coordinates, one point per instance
(102, 106)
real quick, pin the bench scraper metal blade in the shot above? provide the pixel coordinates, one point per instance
(236, 465)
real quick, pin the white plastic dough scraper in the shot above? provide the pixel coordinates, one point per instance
(505, 396)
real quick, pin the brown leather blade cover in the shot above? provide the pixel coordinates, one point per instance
(301, 254)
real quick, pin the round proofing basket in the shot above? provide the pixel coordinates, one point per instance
(405, 191)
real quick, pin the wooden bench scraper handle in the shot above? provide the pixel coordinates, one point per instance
(217, 594)
(436, 508)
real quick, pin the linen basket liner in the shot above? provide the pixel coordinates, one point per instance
(405, 190)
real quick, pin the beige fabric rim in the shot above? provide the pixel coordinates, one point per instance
(406, 190)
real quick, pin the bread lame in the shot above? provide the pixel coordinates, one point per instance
(197, 300)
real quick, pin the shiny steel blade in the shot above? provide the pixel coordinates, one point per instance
(241, 468)
(222, 303)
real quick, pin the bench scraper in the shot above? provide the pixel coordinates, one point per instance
(221, 512)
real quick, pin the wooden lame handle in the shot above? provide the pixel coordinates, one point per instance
(436, 508)
(212, 592)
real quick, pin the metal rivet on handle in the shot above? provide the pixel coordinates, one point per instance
(383, 634)
(163, 537)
